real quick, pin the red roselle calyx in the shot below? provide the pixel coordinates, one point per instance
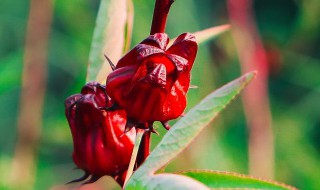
(100, 145)
(151, 81)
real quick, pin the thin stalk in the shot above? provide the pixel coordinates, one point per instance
(141, 148)
(132, 163)
(255, 98)
(160, 14)
(144, 149)
(34, 76)
(159, 21)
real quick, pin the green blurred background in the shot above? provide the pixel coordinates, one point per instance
(290, 30)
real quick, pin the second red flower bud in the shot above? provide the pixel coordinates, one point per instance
(101, 147)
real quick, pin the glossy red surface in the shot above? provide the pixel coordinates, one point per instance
(100, 145)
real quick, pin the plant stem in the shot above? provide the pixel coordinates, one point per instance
(255, 98)
(137, 142)
(144, 149)
(34, 76)
(141, 148)
(160, 14)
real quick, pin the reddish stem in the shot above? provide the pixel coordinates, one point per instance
(144, 149)
(255, 98)
(160, 14)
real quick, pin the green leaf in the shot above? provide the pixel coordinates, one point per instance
(207, 34)
(210, 33)
(108, 38)
(215, 179)
(129, 26)
(187, 128)
(134, 154)
(166, 182)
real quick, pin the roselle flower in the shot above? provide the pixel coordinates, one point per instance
(151, 81)
(100, 145)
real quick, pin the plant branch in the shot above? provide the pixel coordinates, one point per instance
(141, 148)
(144, 149)
(160, 14)
(32, 94)
(255, 98)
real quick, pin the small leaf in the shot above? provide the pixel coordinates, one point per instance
(108, 38)
(188, 127)
(207, 34)
(210, 33)
(215, 179)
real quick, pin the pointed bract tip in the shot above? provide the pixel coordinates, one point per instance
(92, 180)
(113, 67)
(166, 125)
(251, 75)
(85, 176)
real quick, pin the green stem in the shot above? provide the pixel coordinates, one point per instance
(137, 142)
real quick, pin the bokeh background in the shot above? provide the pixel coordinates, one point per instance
(289, 29)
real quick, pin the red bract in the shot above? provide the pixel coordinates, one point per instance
(100, 145)
(151, 81)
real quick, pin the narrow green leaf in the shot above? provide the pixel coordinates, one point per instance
(135, 150)
(210, 33)
(207, 34)
(215, 179)
(129, 26)
(188, 127)
(108, 38)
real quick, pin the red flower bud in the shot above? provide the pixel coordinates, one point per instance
(100, 145)
(151, 81)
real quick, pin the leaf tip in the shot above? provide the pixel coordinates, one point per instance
(225, 27)
(250, 76)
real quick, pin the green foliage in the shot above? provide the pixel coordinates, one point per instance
(290, 32)
(165, 182)
(226, 180)
(181, 135)
(95, 58)
(108, 38)
(210, 33)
